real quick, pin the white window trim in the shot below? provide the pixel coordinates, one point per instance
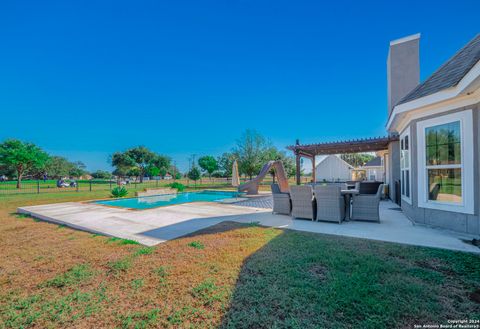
(404, 134)
(467, 150)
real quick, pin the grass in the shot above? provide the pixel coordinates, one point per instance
(242, 276)
(73, 276)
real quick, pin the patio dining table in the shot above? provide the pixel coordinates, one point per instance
(347, 194)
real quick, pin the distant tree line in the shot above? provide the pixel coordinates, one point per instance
(252, 150)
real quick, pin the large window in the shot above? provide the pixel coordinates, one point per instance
(445, 162)
(405, 165)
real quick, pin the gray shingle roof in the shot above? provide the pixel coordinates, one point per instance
(375, 162)
(450, 73)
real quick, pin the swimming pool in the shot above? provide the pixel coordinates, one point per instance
(148, 202)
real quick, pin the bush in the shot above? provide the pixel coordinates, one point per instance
(101, 174)
(119, 192)
(179, 186)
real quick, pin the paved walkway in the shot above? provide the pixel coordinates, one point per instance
(262, 202)
(157, 225)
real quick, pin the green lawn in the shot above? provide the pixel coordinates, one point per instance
(230, 276)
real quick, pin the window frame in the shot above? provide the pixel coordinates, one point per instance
(403, 135)
(465, 118)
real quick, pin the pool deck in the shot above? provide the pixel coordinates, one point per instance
(154, 226)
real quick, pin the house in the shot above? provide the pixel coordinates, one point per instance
(332, 168)
(436, 160)
(432, 150)
(168, 176)
(374, 169)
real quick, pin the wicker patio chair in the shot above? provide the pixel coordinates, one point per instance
(366, 206)
(303, 202)
(330, 203)
(281, 201)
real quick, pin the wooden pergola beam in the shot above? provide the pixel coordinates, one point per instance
(340, 147)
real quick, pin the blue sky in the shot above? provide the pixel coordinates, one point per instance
(84, 79)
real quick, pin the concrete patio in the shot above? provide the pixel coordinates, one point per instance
(153, 226)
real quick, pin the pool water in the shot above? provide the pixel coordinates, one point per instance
(148, 202)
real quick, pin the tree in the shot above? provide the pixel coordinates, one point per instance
(77, 169)
(194, 174)
(22, 157)
(272, 153)
(162, 172)
(152, 171)
(162, 162)
(225, 164)
(134, 160)
(356, 159)
(101, 174)
(57, 167)
(249, 151)
(208, 164)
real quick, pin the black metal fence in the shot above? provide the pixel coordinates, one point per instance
(50, 186)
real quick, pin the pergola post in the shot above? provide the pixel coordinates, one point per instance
(297, 168)
(314, 174)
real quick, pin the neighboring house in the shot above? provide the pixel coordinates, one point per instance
(374, 169)
(167, 176)
(437, 158)
(331, 168)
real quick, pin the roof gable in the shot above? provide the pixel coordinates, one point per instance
(375, 162)
(334, 158)
(450, 73)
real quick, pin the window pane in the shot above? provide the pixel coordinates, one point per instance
(431, 136)
(443, 144)
(403, 183)
(442, 154)
(407, 185)
(442, 134)
(406, 142)
(431, 155)
(458, 158)
(454, 132)
(445, 185)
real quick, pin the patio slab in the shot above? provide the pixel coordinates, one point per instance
(153, 226)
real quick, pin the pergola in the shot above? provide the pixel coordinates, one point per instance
(339, 147)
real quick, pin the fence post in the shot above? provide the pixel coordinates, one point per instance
(110, 184)
(156, 182)
(90, 181)
(78, 183)
(38, 186)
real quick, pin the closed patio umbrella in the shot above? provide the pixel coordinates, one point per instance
(235, 177)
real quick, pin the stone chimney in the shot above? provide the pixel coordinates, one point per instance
(403, 68)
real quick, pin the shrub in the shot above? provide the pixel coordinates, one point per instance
(179, 186)
(196, 245)
(119, 192)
